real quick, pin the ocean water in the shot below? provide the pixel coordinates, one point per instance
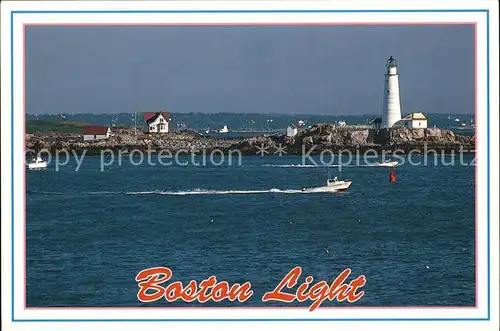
(89, 232)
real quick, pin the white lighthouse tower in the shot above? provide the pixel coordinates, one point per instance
(392, 105)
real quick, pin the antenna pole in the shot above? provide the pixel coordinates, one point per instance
(340, 168)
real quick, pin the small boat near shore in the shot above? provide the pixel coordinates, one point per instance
(37, 163)
(387, 164)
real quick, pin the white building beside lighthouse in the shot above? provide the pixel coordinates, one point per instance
(392, 104)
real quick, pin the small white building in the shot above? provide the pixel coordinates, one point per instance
(291, 130)
(341, 124)
(157, 122)
(413, 121)
(91, 133)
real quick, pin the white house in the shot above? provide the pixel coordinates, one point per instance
(157, 122)
(291, 130)
(91, 133)
(414, 121)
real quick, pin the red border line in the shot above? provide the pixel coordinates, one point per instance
(254, 24)
(475, 165)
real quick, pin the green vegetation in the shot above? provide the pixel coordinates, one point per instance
(37, 126)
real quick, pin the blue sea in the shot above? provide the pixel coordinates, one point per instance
(89, 232)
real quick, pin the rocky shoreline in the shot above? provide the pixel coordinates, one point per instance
(315, 140)
(325, 137)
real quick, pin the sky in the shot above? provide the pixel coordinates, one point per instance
(335, 70)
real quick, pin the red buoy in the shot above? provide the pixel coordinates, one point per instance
(392, 176)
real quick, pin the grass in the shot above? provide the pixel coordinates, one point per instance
(39, 126)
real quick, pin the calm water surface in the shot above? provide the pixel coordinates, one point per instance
(89, 232)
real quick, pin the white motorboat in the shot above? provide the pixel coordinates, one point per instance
(332, 185)
(37, 163)
(224, 129)
(339, 185)
(387, 164)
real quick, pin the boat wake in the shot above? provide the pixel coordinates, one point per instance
(323, 189)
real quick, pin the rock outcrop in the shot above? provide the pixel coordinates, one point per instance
(318, 138)
(322, 137)
(175, 142)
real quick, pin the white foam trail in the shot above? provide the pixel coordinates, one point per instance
(221, 192)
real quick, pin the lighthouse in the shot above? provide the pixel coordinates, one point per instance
(392, 105)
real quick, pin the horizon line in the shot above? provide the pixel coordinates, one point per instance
(243, 113)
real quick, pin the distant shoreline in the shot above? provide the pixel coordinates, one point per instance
(237, 123)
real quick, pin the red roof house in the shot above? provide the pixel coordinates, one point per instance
(157, 122)
(148, 117)
(96, 132)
